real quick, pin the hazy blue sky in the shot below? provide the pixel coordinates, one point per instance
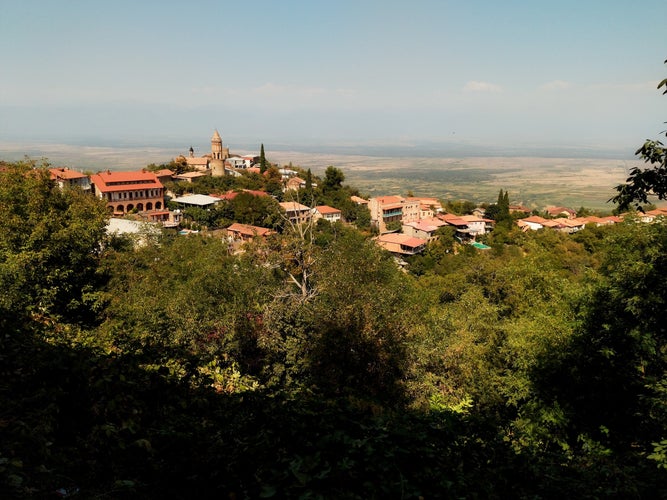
(565, 72)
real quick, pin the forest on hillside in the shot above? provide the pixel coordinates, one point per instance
(312, 366)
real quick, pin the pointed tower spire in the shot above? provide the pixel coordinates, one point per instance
(216, 146)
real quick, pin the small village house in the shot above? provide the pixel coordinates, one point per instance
(295, 212)
(327, 213)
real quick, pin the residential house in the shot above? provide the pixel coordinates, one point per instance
(244, 232)
(295, 212)
(197, 200)
(358, 200)
(561, 212)
(570, 225)
(164, 175)
(139, 232)
(286, 173)
(127, 191)
(168, 218)
(190, 176)
(401, 244)
(652, 215)
(478, 226)
(428, 207)
(532, 223)
(388, 209)
(520, 209)
(461, 225)
(294, 184)
(327, 213)
(239, 162)
(535, 222)
(424, 229)
(65, 177)
(603, 221)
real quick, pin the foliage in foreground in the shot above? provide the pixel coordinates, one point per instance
(314, 367)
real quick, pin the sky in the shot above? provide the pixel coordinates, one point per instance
(566, 73)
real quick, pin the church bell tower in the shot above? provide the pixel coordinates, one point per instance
(216, 146)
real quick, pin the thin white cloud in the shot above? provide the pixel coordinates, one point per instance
(475, 86)
(556, 85)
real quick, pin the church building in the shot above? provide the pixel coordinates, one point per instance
(212, 163)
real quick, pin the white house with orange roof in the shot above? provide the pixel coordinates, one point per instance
(462, 226)
(532, 223)
(651, 215)
(535, 222)
(602, 221)
(127, 191)
(329, 214)
(65, 177)
(478, 226)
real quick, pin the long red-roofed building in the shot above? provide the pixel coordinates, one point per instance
(126, 191)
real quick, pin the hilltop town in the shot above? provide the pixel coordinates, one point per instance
(188, 193)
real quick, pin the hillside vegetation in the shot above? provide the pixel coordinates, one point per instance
(312, 366)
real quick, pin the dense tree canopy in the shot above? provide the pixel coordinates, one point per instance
(313, 365)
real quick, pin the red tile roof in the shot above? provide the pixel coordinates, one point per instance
(65, 173)
(536, 219)
(108, 182)
(384, 200)
(402, 239)
(230, 195)
(248, 230)
(326, 209)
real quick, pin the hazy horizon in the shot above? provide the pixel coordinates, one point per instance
(501, 77)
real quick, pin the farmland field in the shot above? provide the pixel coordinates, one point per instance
(534, 182)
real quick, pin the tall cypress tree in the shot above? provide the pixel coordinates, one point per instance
(308, 197)
(262, 160)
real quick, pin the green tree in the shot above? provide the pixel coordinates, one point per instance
(50, 245)
(645, 182)
(307, 196)
(333, 179)
(460, 207)
(611, 379)
(263, 164)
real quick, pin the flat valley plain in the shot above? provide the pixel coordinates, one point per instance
(535, 182)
